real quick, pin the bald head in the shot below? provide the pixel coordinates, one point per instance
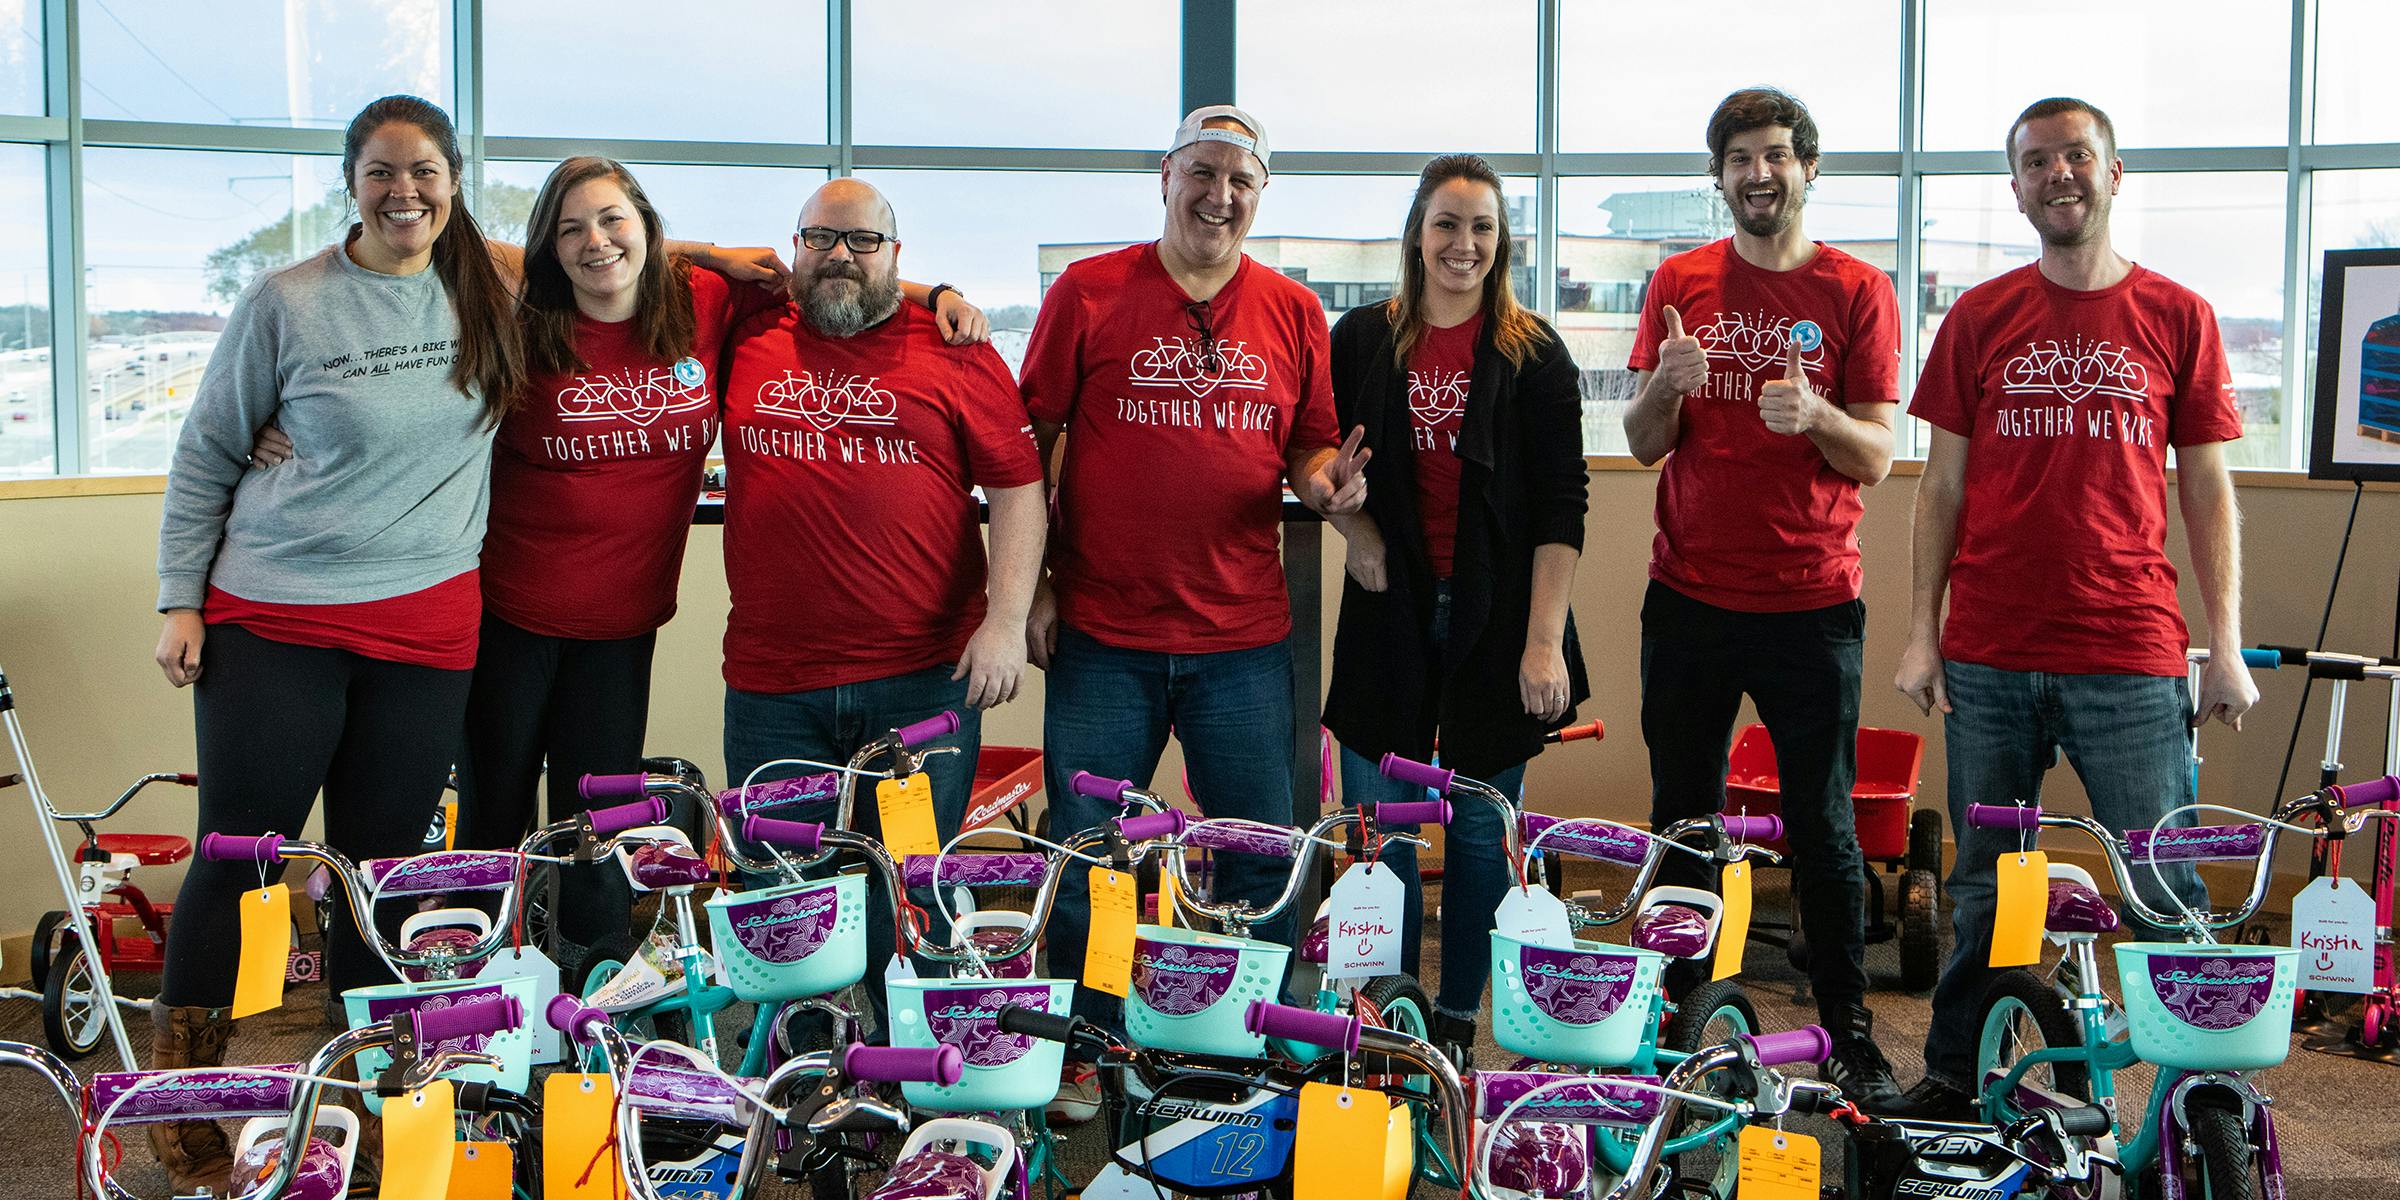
(850, 204)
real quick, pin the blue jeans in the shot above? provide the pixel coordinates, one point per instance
(1475, 875)
(2129, 739)
(1108, 710)
(829, 725)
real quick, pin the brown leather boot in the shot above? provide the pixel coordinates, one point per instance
(194, 1153)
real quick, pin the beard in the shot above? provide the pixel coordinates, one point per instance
(845, 311)
(2082, 233)
(1768, 224)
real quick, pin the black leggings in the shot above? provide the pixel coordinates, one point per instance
(582, 706)
(276, 722)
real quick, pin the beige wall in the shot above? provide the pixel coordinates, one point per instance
(76, 631)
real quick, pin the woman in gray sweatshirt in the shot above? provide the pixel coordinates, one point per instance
(326, 611)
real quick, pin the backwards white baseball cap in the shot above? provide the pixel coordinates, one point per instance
(1192, 131)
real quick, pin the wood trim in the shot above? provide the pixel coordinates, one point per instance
(1913, 467)
(82, 485)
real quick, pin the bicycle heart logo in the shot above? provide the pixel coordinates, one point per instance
(834, 399)
(640, 397)
(1437, 397)
(1759, 342)
(2075, 371)
(1179, 362)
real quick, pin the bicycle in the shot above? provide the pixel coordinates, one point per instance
(2207, 1015)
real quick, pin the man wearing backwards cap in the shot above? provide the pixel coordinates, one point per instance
(1191, 383)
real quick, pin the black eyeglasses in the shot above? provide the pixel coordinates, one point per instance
(1197, 313)
(860, 241)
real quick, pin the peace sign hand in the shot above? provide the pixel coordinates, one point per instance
(1340, 486)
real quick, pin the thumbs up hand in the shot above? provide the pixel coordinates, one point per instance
(1682, 364)
(1790, 405)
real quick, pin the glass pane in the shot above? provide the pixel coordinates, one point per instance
(2353, 210)
(2136, 59)
(254, 62)
(1389, 74)
(1340, 235)
(1613, 233)
(2354, 63)
(1645, 77)
(23, 65)
(1002, 236)
(731, 206)
(926, 73)
(709, 70)
(2219, 234)
(171, 239)
(26, 445)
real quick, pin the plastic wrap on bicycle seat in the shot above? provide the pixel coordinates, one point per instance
(1540, 1158)
(975, 870)
(666, 866)
(778, 795)
(318, 1177)
(932, 1174)
(2075, 908)
(1589, 839)
(1675, 930)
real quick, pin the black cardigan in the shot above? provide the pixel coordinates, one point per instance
(1522, 484)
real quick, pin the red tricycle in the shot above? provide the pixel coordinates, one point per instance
(72, 1007)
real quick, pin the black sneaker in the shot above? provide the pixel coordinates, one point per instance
(1934, 1100)
(1455, 1038)
(1860, 1070)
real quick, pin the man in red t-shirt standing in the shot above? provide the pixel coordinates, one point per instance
(2054, 392)
(1768, 377)
(861, 599)
(1190, 383)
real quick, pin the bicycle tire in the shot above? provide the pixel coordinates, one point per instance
(1404, 1007)
(71, 1020)
(2230, 1169)
(1707, 1015)
(2019, 1003)
(1920, 931)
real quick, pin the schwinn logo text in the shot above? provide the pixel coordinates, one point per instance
(811, 912)
(1182, 968)
(2213, 980)
(1605, 975)
(1185, 1110)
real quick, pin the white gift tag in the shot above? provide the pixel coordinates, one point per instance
(526, 962)
(1530, 913)
(1366, 914)
(2333, 925)
(899, 968)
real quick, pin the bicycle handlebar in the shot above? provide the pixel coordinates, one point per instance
(2373, 791)
(476, 1018)
(1026, 1022)
(1142, 828)
(1098, 787)
(1744, 828)
(1595, 730)
(226, 847)
(926, 730)
(611, 787)
(1409, 770)
(569, 1015)
(944, 1065)
(1807, 1044)
(2004, 816)
(607, 822)
(1413, 812)
(1337, 1031)
(802, 836)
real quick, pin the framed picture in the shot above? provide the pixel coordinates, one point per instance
(2357, 431)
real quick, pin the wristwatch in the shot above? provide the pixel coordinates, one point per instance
(933, 298)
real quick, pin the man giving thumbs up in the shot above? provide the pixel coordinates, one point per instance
(1769, 371)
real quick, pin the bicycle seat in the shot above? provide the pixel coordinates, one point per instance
(2076, 907)
(662, 866)
(1675, 930)
(991, 942)
(148, 849)
(1312, 947)
(1539, 1158)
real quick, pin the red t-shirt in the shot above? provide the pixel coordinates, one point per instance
(433, 627)
(2068, 401)
(595, 475)
(1441, 369)
(852, 546)
(1749, 519)
(1170, 505)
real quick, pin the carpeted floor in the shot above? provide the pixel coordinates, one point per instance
(2333, 1113)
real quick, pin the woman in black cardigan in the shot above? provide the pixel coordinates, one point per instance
(1454, 610)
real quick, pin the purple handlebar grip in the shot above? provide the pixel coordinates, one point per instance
(1744, 828)
(2373, 791)
(571, 1016)
(1097, 787)
(475, 1018)
(2004, 816)
(927, 729)
(1152, 825)
(226, 847)
(803, 836)
(1807, 1044)
(611, 787)
(1413, 812)
(1409, 770)
(607, 822)
(1331, 1030)
(905, 1064)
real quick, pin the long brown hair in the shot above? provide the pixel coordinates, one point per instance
(662, 313)
(491, 357)
(1515, 330)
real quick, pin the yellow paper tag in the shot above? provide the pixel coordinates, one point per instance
(1337, 1132)
(1108, 948)
(266, 950)
(1776, 1164)
(907, 809)
(418, 1129)
(1733, 925)
(2020, 908)
(578, 1113)
(482, 1171)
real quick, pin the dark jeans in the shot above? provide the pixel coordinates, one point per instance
(1108, 710)
(581, 707)
(829, 725)
(2129, 738)
(1802, 671)
(275, 723)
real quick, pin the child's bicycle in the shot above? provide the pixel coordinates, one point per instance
(282, 1104)
(1570, 1006)
(2207, 1015)
(2376, 1033)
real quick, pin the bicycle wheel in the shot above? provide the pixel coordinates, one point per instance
(73, 1019)
(1708, 1015)
(2021, 1014)
(1403, 1006)
(2229, 1168)
(46, 933)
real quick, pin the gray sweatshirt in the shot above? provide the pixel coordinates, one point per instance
(387, 493)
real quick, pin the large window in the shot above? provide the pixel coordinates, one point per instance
(1015, 138)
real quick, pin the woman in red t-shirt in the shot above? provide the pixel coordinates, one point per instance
(1454, 620)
